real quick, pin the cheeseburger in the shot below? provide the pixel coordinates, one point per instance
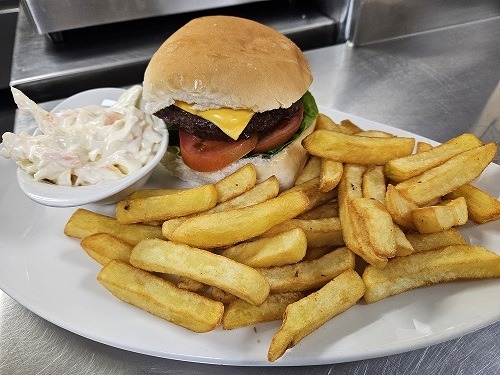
(232, 91)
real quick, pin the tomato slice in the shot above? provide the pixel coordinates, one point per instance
(284, 130)
(209, 156)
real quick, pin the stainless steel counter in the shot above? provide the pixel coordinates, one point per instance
(437, 84)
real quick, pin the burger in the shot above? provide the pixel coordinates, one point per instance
(232, 91)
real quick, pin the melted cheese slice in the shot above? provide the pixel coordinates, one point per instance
(230, 121)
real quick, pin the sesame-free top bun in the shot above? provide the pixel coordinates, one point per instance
(221, 61)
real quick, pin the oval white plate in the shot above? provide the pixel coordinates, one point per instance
(105, 193)
(50, 275)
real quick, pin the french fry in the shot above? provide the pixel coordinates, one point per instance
(311, 312)
(432, 241)
(403, 245)
(353, 149)
(261, 192)
(204, 266)
(378, 223)
(236, 183)
(328, 209)
(330, 174)
(166, 207)
(423, 146)
(354, 236)
(455, 262)
(318, 232)
(222, 296)
(348, 127)
(400, 208)
(323, 122)
(240, 313)
(104, 247)
(308, 275)
(160, 297)
(438, 218)
(374, 185)
(311, 189)
(147, 193)
(449, 176)
(233, 226)
(310, 171)
(190, 284)
(83, 223)
(317, 252)
(374, 133)
(284, 248)
(481, 206)
(402, 169)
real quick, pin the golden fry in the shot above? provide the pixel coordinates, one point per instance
(481, 206)
(328, 209)
(160, 297)
(236, 183)
(190, 284)
(353, 149)
(311, 312)
(403, 245)
(348, 127)
(200, 265)
(311, 190)
(310, 171)
(432, 241)
(400, 208)
(374, 184)
(166, 207)
(284, 248)
(104, 247)
(323, 122)
(438, 218)
(240, 313)
(456, 262)
(330, 174)
(83, 223)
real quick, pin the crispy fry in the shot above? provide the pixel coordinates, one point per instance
(204, 266)
(354, 236)
(456, 262)
(236, 183)
(319, 232)
(308, 275)
(240, 313)
(317, 252)
(284, 248)
(311, 189)
(310, 171)
(402, 169)
(190, 284)
(328, 209)
(374, 133)
(449, 176)
(400, 208)
(306, 315)
(348, 127)
(330, 174)
(423, 146)
(357, 150)
(232, 226)
(104, 247)
(166, 207)
(432, 241)
(438, 218)
(481, 206)
(160, 297)
(83, 223)
(403, 245)
(261, 192)
(222, 296)
(378, 223)
(323, 122)
(374, 183)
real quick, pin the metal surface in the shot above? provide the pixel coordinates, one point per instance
(8, 20)
(55, 15)
(376, 20)
(110, 57)
(437, 84)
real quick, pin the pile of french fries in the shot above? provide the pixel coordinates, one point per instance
(367, 217)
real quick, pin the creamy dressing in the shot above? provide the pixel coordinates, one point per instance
(85, 146)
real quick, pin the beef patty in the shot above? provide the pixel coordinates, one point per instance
(261, 123)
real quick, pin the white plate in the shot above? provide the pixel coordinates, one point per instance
(50, 275)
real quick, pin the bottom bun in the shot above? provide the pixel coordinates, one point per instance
(285, 165)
